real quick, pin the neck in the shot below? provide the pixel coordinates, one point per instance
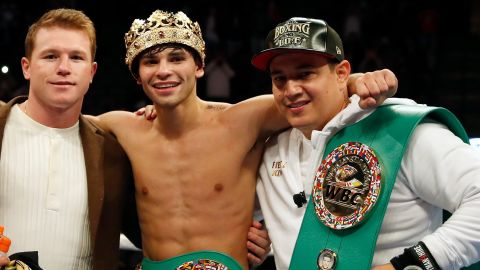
(307, 131)
(177, 120)
(53, 117)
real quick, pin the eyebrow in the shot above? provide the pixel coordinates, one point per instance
(178, 51)
(54, 50)
(174, 52)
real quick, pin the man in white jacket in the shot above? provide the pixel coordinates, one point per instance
(436, 169)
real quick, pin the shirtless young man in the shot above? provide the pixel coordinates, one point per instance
(195, 165)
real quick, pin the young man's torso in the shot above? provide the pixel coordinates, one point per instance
(194, 188)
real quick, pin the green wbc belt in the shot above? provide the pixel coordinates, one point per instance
(352, 187)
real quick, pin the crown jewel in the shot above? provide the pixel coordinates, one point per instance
(163, 27)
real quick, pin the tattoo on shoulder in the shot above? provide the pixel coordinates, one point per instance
(216, 107)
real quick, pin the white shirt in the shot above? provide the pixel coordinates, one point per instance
(437, 171)
(43, 192)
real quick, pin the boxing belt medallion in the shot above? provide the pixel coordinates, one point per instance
(202, 264)
(197, 260)
(347, 185)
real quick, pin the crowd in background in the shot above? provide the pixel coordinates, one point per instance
(431, 46)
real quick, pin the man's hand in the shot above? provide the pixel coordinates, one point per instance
(147, 111)
(387, 266)
(373, 87)
(258, 243)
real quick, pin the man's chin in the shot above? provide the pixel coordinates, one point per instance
(297, 122)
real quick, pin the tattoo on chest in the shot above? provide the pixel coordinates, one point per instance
(216, 107)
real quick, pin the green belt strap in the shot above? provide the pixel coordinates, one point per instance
(387, 132)
(175, 262)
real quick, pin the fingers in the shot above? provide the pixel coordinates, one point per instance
(368, 102)
(258, 243)
(259, 235)
(257, 253)
(374, 87)
(148, 112)
(257, 224)
(387, 82)
(392, 81)
(260, 239)
(252, 259)
(367, 85)
(151, 113)
(140, 111)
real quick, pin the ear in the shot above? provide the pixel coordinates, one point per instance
(199, 72)
(25, 67)
(343, 70)
(94, 70)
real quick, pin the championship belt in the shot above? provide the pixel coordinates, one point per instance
(346, 185)
(352, 187)
(202, 265)
(198, 260)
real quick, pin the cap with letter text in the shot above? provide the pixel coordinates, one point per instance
(299, 33)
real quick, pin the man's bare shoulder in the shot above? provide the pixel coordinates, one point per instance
(245, 107)
(259, 111)
(266, 100)
(257, 116)
(116, 121)
(217, 106)
(117, 116)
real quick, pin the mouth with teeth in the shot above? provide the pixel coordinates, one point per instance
(164, 85)
(297, 107)
(165, 88)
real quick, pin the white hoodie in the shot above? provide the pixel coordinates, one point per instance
(438, 171)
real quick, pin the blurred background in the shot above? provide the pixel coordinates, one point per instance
(432, 46)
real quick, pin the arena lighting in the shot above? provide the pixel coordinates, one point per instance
(4, 69)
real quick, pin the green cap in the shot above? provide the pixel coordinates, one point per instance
(304, 34)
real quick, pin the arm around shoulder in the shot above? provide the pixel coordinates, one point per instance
(109, 121)
(261, 112)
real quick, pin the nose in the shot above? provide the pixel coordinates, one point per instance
(163, 69)
(292, 89)
(63, 67)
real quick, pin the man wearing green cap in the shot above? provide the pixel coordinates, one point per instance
(195, 165)
(348, 188)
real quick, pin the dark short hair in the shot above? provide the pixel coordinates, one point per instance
(160, 47)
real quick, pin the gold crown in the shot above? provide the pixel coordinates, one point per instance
(163, 27)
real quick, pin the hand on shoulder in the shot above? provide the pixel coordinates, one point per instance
(373, 87)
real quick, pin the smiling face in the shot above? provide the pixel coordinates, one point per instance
(169, 76)
(308, 90)
(60, 68)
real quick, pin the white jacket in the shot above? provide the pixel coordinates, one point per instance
(438, 171)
